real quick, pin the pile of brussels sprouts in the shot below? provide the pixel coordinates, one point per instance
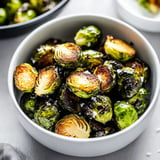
(91, 87)
(17, 11)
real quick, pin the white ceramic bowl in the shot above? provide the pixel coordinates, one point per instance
(65, 28)
(134, 14)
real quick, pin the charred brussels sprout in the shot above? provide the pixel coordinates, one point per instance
(129, 82)
(118, 49)
(43, 56)
(24, 14)
(83, 84)
(28, 103)
(140, 100)
(150, 5)
(67, 55)
(87, 36)
(69, 101)
(113, 65)
(107, 77)
(92, 58)
(3, 16)
(46, 116)
(47, 81)
(140, 68)
(25, 76)
(73, 126)
(43, 5)
(104, 132)
(99, 129)
(125, 114)
(99, 109)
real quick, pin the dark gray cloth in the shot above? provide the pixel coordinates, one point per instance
(8, 152)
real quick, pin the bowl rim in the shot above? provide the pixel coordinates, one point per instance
(65, 138)
(141, 17)
(36, 19)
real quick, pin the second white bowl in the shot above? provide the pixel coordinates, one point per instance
(134, 14)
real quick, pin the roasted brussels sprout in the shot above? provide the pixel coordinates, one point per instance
(106, 131)
(140, 100)
(47, 81)
(12, 6)
(83, 84)
(69, 101)
(67, 55)
(46, 116)
(43, 56)
(99, 129)
(25, 77)
(106, 77)
(73, 126)
(140, 68)
(24, 14)
(91, 58)
(88, 36)
(113, 65)
(129, 82)
(28, 103)
(99, 108)
(118, 49)
(150, 5)
(43, 5)
(125, 114)
(3, 16)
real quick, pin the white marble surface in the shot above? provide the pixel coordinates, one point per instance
(146, 147)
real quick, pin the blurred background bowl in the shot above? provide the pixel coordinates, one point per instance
(64, 28)
(19, 28)
(131, 12)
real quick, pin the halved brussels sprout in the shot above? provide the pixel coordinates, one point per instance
(91, 58)
(24, 13)
(43, 5)
(125, 114)
(28, 103)
(150, 5)
(83, 84)
(43, 56)
(140, 101)
(3, 16)
(46, 116)
(129, 82)
(47, 81)
(99, 108)
(73, 126)
(141, 69)
(88, 36)
(69, 101)
(67, 55)
(25, 76)
(118, 49)
(106, 77)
